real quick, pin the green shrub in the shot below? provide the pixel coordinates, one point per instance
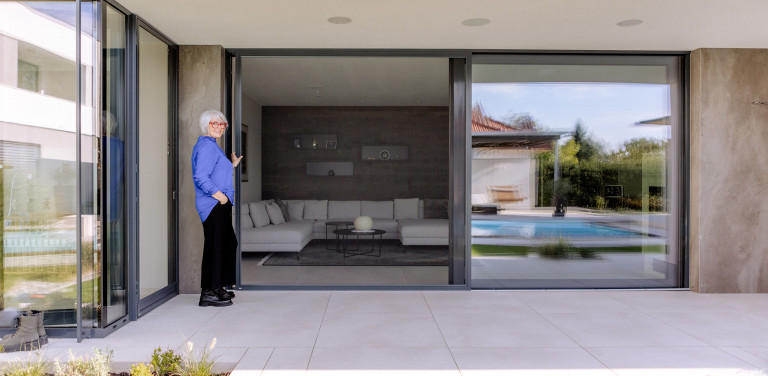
(559, 248)
(97, 365)
(36, 365)
(165, 363)
(141, 369)
(198, 363)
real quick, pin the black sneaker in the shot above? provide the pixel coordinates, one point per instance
(208, 298)
(223, 294)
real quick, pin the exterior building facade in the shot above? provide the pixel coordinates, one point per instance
(99, 115)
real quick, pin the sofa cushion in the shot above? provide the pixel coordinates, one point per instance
(406, 208)
(258, 213)
(343, 209)
(423, 228)
(245, 217)
(283, 208)
(295, 210)
(377, 209)
(316, 209)
(286, 233)
(388, 225)
(435, 209)
(275, 214)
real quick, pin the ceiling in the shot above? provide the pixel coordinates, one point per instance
(346, 81)
(668, 25)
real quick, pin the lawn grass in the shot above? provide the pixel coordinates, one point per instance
(479, 250)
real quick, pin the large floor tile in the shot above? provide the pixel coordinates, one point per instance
(722, 328)
(475, 302)
(379, 330)
(677, 361)
(527, 362)
(253, 362)
(667, 301)
(361, 361)
(743, 302)
(572, 302)
(277, 303)
(262, 330)
(288, 362)
(425, 275)
(352, 275)
(500, 329)
(376, 302)
(619, 329)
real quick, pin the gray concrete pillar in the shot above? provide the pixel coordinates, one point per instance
(202, 86)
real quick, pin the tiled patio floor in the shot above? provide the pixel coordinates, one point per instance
(457, 333)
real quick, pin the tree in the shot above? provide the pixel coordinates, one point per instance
(588, 148)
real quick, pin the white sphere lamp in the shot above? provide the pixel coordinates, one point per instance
(363, 223)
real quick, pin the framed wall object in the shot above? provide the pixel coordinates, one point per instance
(244, 149)
(330, 144)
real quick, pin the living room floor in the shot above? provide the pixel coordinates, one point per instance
(253, 274)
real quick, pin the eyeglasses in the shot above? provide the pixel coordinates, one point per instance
(218, 125)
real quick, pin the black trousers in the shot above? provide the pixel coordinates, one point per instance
(219, 249)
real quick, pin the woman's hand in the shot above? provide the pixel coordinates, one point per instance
(235, 160)
(221, 197)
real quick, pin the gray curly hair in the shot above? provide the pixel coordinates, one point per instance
(206, 117)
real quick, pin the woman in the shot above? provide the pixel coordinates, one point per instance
(212, 173)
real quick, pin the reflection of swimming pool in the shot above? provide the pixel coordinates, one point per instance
(538, 228)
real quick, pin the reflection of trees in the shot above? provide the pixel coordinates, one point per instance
(587, 169)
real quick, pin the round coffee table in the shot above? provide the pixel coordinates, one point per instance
(348, 233)
(336, 225)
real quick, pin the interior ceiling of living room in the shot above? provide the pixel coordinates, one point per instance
(346, 81)
(679, 25)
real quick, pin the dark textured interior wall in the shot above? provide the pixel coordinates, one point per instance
(424, 130)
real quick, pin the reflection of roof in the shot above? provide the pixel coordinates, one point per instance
(664, 120)
(489, 132)
(540, 140)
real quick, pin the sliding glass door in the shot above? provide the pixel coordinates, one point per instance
(575, 171)
(156, 205)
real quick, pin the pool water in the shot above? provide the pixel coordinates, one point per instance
(545, 229)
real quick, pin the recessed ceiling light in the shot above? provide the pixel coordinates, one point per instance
(629, 23)
(475, 22)
(340, 20)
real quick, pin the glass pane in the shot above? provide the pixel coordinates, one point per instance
(113, 163)
(153, 164)
(572, 174)
(38, 160)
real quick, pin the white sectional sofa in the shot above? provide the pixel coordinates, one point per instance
(263, 227)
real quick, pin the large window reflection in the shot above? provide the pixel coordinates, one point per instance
(574, 171)
(38, 160)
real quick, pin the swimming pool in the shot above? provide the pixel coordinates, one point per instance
(540, 228)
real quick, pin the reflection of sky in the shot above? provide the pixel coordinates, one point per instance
(607, 110)
(64, 11)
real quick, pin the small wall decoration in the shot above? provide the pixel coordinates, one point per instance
(297, 142)
(330, 144)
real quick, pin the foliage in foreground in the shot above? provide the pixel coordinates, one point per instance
(97, 365)
(198, 363)
(35, 365)
(165, 363)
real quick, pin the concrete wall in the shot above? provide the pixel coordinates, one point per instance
(423, 129)
(251, 190)
(729, 135)
(201, 87)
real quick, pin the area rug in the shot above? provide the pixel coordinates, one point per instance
(391, 255)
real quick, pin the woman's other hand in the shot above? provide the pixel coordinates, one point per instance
(235, 159)
(221, 197)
